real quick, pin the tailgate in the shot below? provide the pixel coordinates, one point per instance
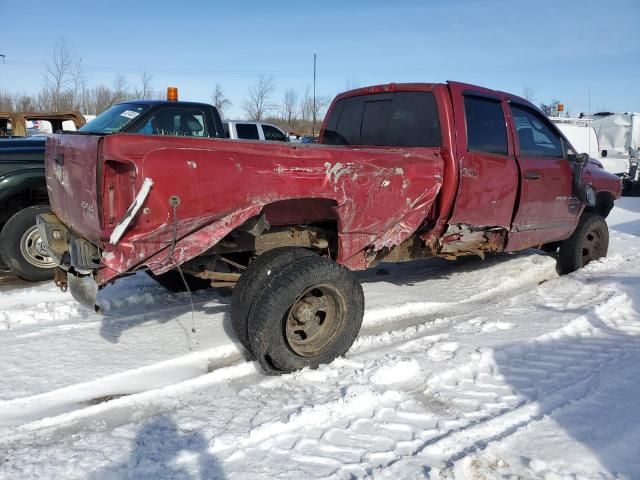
(71, 169)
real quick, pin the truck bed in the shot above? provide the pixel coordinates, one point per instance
(204, 188)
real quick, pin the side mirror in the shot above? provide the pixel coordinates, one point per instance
(579, 189)
(603, 154)
(582, 159)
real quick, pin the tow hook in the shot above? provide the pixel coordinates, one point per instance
(60, 279)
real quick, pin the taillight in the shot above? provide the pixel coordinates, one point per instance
(119, 190)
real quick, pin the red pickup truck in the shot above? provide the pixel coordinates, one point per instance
(403, 171)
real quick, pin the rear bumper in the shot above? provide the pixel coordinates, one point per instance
(77, 257)
(69, 251)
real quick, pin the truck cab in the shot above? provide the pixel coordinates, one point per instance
(158, 117)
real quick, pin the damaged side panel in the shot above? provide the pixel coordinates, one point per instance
(380, 196)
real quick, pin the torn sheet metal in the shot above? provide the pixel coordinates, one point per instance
(131, 212)
(380, 195)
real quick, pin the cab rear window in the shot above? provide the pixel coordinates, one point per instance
(402, 119)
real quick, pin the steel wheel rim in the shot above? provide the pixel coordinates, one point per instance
(591, 246)
(315, 319)
(33, 249)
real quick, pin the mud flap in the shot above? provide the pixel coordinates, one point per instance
(84, 289)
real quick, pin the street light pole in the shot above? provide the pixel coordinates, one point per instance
(313, 126)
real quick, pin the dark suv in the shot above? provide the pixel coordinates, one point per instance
(23, 191)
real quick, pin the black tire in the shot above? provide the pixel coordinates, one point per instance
(22, 248)
(589, 241)
(253, 282)
(287, 309)
(172, 281)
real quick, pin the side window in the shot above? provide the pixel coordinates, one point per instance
(486, 127)
(534, 135)
(401, 119)
(272, 133)
(247, 131)
(183, 122)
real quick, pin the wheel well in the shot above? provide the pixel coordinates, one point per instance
(604, 204)
(300, 211)
(24, 198)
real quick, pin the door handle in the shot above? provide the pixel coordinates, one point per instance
(532, 175)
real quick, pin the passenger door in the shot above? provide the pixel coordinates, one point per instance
(488, 170)
(547, 210)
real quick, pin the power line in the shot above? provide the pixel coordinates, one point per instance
(204, 72)
(182, 71)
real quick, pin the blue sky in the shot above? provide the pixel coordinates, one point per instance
(561, 49)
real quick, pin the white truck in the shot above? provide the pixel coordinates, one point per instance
(619, 136)
(583, 135)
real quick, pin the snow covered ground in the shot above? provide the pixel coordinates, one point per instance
(470, 369)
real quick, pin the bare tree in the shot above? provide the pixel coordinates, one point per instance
(79, 82)
(306, 105)
(25, 103)
(145, 92)
(100, 98)
(310, 110)
(528, 93)
(58, 69)
(289, 102)
(120, 93)
(6, 101)
(259, 101)
(219, 100)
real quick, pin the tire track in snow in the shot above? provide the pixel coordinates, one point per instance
(433, 422)
(485, 400)
(417, 317)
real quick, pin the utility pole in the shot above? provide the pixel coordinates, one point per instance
(313, 125)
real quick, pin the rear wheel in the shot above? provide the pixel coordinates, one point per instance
(253, 282)
(588, 242)
(22, 248)
(310, 314)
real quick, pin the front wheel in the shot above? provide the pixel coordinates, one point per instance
(23, 249)
(310, 314)
(589, 241)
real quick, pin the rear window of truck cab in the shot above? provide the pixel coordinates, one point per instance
(400, 119)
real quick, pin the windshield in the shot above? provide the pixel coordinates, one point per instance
(115, 119)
